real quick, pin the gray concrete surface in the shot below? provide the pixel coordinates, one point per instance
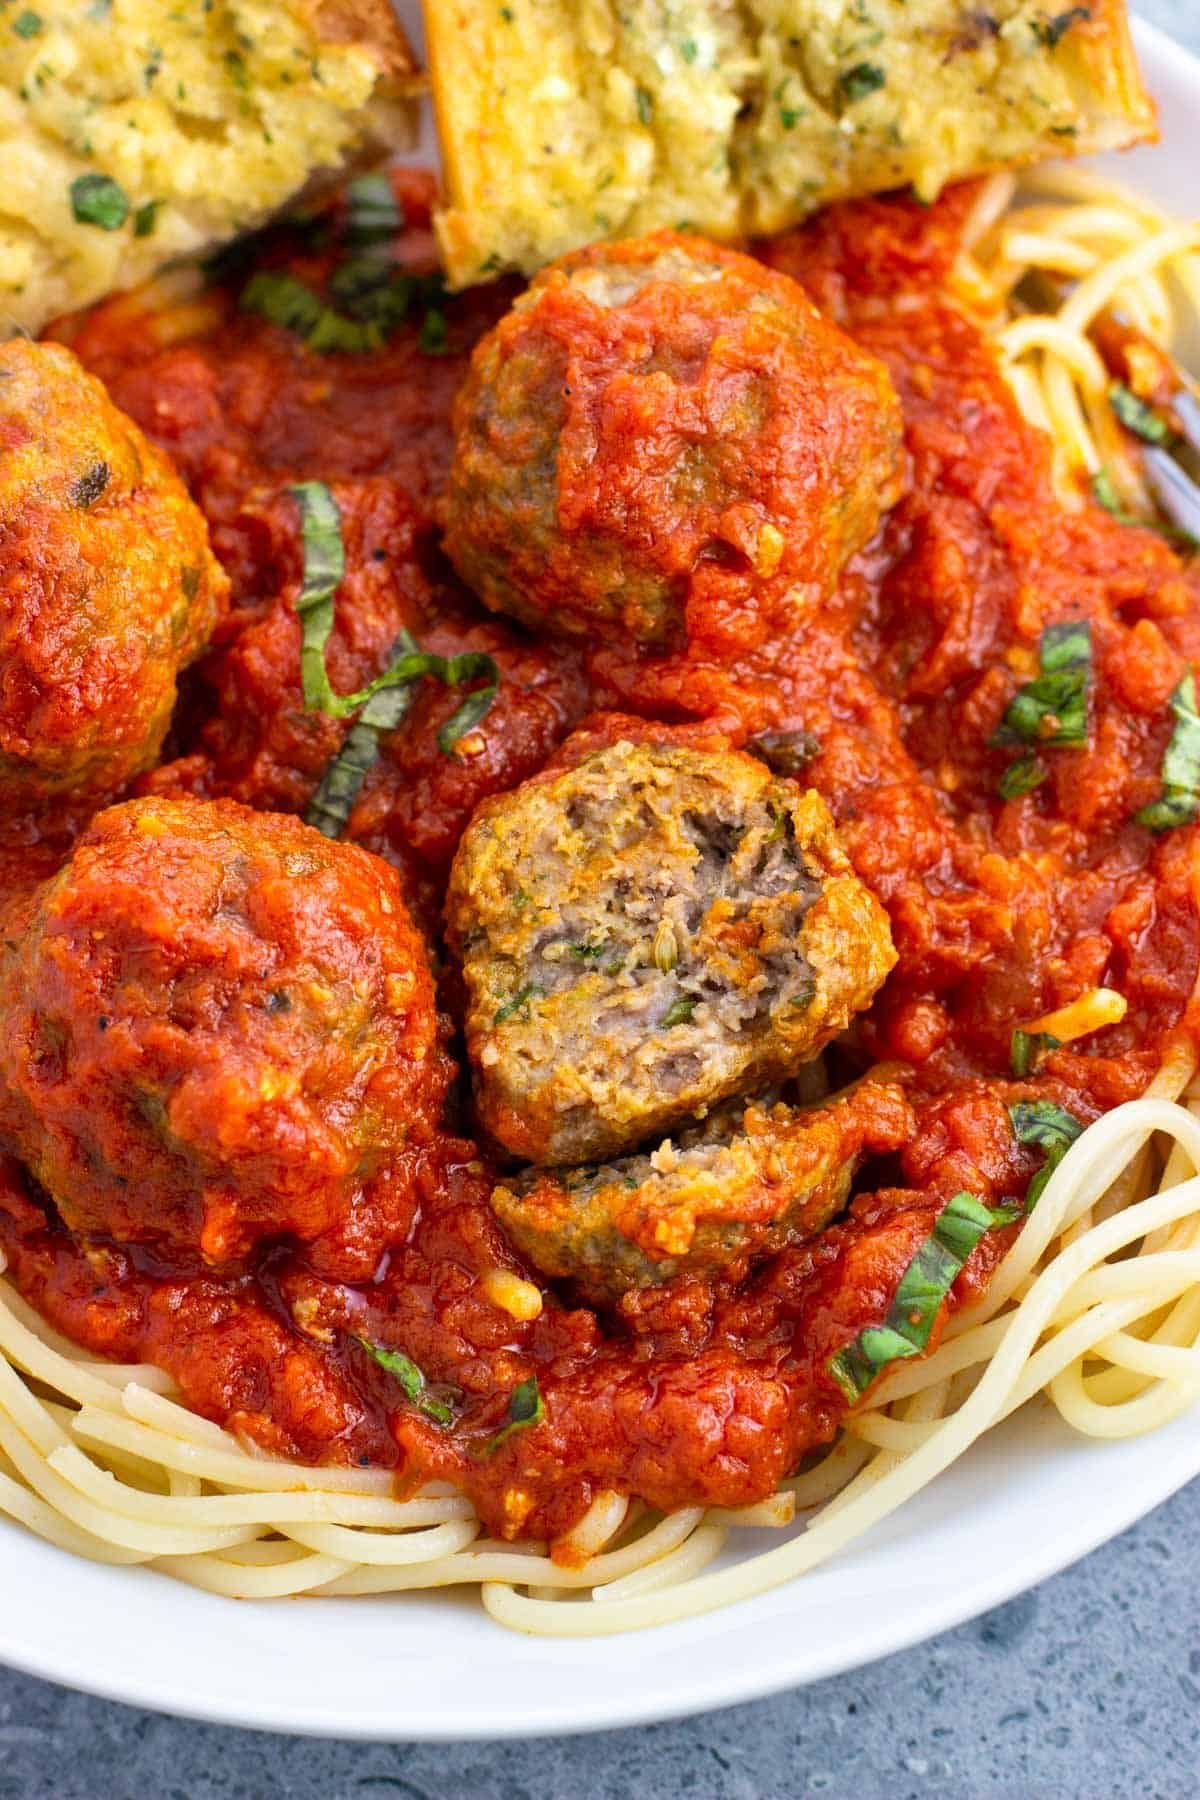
(1087, 1689)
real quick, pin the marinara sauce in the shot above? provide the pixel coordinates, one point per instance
(1001, 909)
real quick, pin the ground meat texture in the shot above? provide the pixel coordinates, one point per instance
(646, 934)
(107, 585)
(218, 1028)
(751, 1180)
(663, 436)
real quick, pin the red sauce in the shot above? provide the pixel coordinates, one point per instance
(1000, 911)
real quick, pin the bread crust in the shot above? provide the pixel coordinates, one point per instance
(554, 135)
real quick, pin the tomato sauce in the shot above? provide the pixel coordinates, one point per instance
(1000, 910)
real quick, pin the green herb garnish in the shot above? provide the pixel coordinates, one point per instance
(1052, 710)
(1022, 776)
(679, 1012)
(863, 79)
(1179, 802)
(292, 305)
(1047, 1127)
(923, 1287)
(411, 1380)
(27, 24)
(645, 106)
(525, 1407)
(516, 1003)
(1027, 1048)
(99, 200)
(373, 214)
(384, 701)
(145, 219)
(1136, 416)
(1104, 493)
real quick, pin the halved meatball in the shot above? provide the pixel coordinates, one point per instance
(644, 935)
(216, 1026)
(751, 1180)
(107, 585)
(664, 435)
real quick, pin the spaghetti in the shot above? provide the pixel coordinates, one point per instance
(1096, 1305)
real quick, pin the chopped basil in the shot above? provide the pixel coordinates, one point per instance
(587, 952)
(324, 569)
(431, 339)
(679, 1012)
(99, 200)
(383, 702)
(1027, 1049)
(1047, 1127)
(863, 79)
(373, 214)
(1052, 709)
(27, 24)
(1022, 776)
(411, 1380)
(1179, 802)
(145, 219)
(645, 106)
(923, 1287)
(525, 1407)
(1104, 493)
(292, 305)
(1051, 31)
(1136, 416)
(91, 484)
(518, 1002)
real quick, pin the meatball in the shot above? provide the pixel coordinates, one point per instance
(661, 433)
(748, 1182)
(218, 1027)
(646, 934)
(107, 584)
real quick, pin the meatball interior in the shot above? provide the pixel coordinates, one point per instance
(646, 934)
(107, 584)
(662, 436)
(219, 1027)
(749, 1181)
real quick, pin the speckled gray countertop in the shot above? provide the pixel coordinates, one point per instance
(1086, 1689)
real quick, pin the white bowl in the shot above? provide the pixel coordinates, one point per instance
(1028, 1500)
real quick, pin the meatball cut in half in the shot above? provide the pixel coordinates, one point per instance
(217, 1027)
(751, 1180)
(646, 934)
(662, 434)
(107, 585)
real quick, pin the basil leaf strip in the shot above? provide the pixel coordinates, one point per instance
(1048, 1127)
(923, 1287)
(1022, 776)
(1136, 416)
(1105, 494)
(1052, 710)
(1027, 1049)
(1179, 802)
(292, 304)
(525, 1407)
(411, 1380)
(99, 200)
(384, 701)
(373, 214)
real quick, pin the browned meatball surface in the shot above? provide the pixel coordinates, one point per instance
(646, 934)
(663, 436)
(217, 1027)
(107, 585)
(751, 1180)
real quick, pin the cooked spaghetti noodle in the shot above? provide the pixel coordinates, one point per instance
(1096, 1305)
